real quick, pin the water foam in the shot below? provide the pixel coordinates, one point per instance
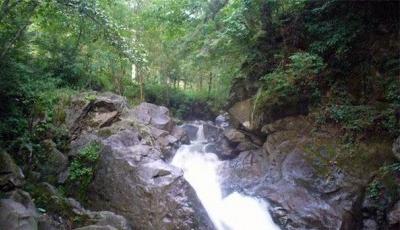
(234, 212)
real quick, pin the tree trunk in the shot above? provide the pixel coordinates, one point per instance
(209, 85)
(201, 83)
(141, 84)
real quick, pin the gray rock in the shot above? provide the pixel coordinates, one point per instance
(222, 149)
(180, 134)
(369, 224)
(45, 222)
(241, 114)
(211, 132)
(81, 141)
(106, 218)
(211, 148)
(246, 146)
(133, 181)
(56, 162)
(93, 112)
(157, 116)
(97, 227)
(191, 130)
(11, 175)
(394, 215)
(131, 178)
(282, 173)
(234, 136)
(247, 170)
(18, 212)
(222, 120)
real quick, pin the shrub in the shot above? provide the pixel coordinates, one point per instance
(179, 101)
(363, 118)
(82, 169)
(297, 79)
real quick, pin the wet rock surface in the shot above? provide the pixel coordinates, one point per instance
(190, 130)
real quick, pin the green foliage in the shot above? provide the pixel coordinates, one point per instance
(385, 185)
(23, 135)
(295, 79)
(374, 190)
(181, 102)
(82, 168)
(363, 119)
(90, 97)
(48, 50)
(189, 41)
(47, 200)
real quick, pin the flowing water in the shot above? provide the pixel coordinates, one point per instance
(233, 212)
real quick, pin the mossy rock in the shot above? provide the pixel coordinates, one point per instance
(270, 109)
(47, 197)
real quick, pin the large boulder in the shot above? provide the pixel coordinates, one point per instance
(156, 116)
(11, 175)
(241, 113)
(284, 173)
(18, 212)
(279, 108)
(106, 114)
(132, 180)
(93, 111)
(234, 136)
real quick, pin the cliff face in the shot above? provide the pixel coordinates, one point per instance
(358, 46)
(328, 133)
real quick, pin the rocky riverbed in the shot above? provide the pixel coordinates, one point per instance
(288, 165)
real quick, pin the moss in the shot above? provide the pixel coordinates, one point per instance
(359, 159)
(90, 97)
(104, 133)
(56, 204)
(51, 202)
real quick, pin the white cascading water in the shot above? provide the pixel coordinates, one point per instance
(233, 212)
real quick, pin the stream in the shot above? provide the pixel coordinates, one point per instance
(233, 212)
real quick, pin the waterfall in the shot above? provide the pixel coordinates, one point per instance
(233, 212)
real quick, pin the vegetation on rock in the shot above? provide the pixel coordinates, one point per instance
(81, 170)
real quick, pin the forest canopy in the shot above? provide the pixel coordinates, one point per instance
(340, 58)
